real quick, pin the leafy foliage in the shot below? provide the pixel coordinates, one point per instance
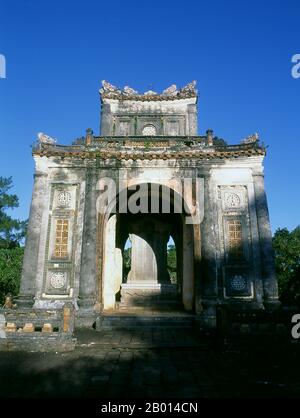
(286, 245)
(11, 260)
(219, 142)
(12, 231)
(127, 261)
(172, 263)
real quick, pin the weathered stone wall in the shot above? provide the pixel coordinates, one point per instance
(37, 329)
(130, 117)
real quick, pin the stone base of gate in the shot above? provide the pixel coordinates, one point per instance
(148, 295)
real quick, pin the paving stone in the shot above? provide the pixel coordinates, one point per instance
(154, 392)
(113, 356)
(100, 378)
(163, 373)
(185, 376)
(126, 355)
(151, 376)
(170, 375)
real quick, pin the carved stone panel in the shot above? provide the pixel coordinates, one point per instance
(173, 128)
(233, 198)
(57, 282)
(58, 279)
(149, 130)
(64, 197)
(124, 126)
(237, 282)
(175, 125)
(60, 244)
(151, 123)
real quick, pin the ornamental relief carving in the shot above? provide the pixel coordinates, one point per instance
(232, 200)
(64, 198)
(149, 130)
(238, 283)
(58, 279)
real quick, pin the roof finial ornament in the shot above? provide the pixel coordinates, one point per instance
(46, 139)
(150, 93)
(171, 91)
(109, 91)
(130, 91)
(106, 86)
(250, 139)
(189, 88)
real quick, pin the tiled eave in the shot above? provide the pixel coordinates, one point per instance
(149, 154)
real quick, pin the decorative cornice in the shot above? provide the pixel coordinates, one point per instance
(109, 91)
(121, 153)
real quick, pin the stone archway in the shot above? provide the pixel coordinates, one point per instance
(148, 278)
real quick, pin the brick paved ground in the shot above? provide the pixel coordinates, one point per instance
(127, 365)
(140, 337)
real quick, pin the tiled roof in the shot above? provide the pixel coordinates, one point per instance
(126, 148)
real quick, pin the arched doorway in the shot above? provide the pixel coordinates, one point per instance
(145, 278)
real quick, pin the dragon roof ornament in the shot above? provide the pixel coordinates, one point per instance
(250, 139)
(110, 91)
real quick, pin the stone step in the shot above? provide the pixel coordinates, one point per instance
(164, 305)
(147, 321)
(149, 294)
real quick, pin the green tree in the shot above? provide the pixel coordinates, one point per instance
(11, 260)
(12, 231)
(172, 263)
(126, 262)
(219, 142)
(286, 245)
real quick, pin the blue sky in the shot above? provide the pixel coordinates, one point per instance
(57, 53)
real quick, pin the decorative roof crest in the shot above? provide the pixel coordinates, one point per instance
(46, 139)
(250, 139)
(128, 93)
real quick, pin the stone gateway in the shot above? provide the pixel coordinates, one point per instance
(105, 209)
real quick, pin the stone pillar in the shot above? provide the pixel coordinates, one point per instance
(265, 237)
(87, 286)
(30, 263)
(192, 120)
(188, 268)
(197, 268)
(208, 286)
(112, 265)
(106, 120)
